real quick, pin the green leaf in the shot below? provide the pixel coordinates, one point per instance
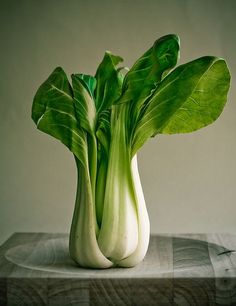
(53, 112)
(148, 71)
(109, 81)
(64, 127)
(149, 68)
(56, 89)
(89, 81)
(205, 104)
(189, 98)
(84, 105)
(104, 130)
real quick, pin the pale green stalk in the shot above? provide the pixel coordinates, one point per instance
(118, 236)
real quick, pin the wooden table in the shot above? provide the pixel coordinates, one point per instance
(196, 269)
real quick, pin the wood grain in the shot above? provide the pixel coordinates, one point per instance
(197, 269)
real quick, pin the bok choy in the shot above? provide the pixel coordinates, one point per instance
(104, 120)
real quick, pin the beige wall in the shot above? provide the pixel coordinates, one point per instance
(189, 181)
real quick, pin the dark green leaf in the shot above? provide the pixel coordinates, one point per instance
(84, 105)
(56, 89)
(109, 81)
(89, 81)
(63, 126)
(148, 71)
(53, 112)
(104, 129)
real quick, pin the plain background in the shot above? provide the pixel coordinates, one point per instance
(188, 180)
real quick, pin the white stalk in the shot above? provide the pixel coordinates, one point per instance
(83, 243)
(118, 237)
(143, 221)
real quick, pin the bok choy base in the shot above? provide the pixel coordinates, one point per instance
(105, 119)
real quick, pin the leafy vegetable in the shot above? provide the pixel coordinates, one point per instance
(104, 120)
